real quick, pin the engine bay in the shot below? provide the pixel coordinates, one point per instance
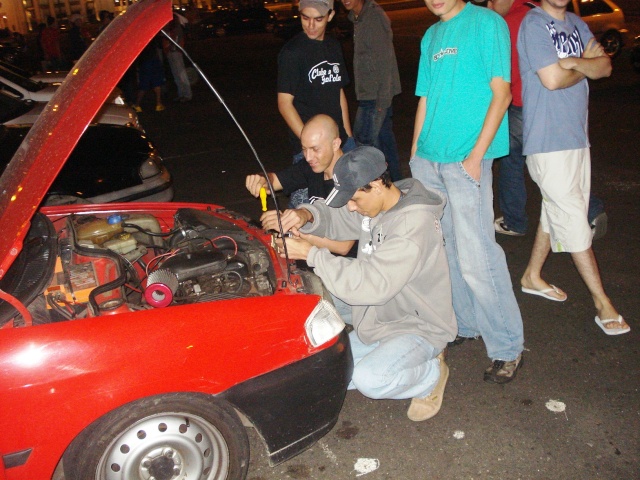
(92, 265)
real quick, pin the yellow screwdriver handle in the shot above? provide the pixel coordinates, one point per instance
(263, 198)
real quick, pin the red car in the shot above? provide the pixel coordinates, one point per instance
(137, 339)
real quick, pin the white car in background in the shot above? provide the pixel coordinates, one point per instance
(605, 20)
(52, 77)
(27, 89)
(14, 111)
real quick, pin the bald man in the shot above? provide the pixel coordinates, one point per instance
(321, 144)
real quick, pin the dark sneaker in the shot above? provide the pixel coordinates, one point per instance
(503, 372)
(459, 340)
(599, 226)
(502, 228)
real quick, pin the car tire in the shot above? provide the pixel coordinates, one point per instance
(221, 32)
(166, 436)
(611, 41)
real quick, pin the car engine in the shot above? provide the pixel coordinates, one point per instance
(94, 265)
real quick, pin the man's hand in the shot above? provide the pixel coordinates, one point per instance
(593, 49)
(254, 183)
(473, 168)
(297, 248)
(289, 218)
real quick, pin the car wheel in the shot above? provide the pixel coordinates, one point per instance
(176, 436)
(221, 32)
(269, 27)
(611, 41)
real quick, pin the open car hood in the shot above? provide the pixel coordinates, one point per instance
(46, 148)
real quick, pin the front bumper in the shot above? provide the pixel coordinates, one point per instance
(295, 406)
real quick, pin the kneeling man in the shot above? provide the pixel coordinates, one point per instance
(398, 286)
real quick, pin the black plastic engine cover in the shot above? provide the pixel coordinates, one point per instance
(186, 266)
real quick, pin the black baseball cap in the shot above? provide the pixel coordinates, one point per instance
(354, 170)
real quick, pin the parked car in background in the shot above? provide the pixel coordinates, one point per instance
(53, 77)
(110, 163)
(27, 89)
(134, 337)
(605, 20)
(220, 23)
(14, 111)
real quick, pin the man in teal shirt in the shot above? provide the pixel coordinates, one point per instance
(460, 127)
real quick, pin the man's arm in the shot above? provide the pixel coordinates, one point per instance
(289, 113)
(593, 64)
(298, 247)
(255, 182)
(344, 106)
(418, 123)
(500, 100)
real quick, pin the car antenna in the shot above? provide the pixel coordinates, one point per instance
(255, 154)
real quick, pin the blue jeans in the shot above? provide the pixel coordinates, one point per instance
(302, 195)
(483, 297)
(512, 191)
(375, 128)
(401, 366)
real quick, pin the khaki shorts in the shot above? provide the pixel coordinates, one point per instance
(564, 179)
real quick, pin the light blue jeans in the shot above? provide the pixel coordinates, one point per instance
(483, 297)
(401, 366)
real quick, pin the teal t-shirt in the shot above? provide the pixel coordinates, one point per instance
(458, 60)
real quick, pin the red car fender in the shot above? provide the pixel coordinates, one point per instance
(132, 356)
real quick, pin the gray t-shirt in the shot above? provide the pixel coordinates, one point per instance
(553, 120)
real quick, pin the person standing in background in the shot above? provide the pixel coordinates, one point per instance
(460, 127)
(377, 79)
(50, 42)
(512, 190)
(558, 53)
(176, 60)
(311, 78)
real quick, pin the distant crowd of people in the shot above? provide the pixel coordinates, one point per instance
(54, 54)
(146, 75)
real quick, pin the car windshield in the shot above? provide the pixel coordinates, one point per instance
(11, 107)
(21, 81)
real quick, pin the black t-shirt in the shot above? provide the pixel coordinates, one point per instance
(300, 175)
(314, 72)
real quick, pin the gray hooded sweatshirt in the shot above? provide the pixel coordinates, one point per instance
(399, 283)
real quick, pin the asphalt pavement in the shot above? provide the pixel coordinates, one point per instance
(573, 412)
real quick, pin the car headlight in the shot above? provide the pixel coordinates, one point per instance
(323, 324)
(149, 169)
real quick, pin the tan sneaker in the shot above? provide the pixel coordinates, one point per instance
(427, 407)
